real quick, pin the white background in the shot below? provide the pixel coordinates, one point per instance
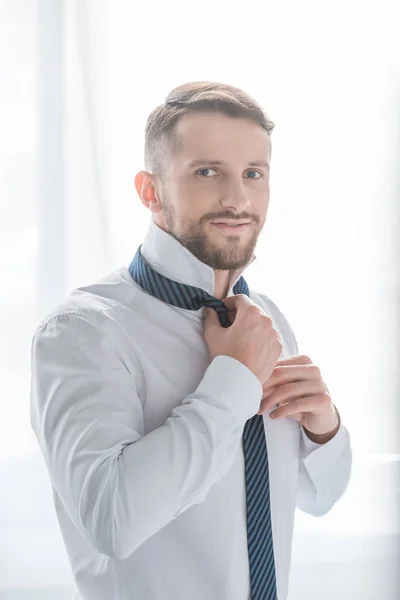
(77, 82)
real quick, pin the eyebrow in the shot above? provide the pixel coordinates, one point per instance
(200, 162)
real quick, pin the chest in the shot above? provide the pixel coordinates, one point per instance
(171, 357)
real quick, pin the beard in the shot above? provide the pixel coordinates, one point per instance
(231, 253)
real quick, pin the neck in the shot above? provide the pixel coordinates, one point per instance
(171, 259)
(221, 284)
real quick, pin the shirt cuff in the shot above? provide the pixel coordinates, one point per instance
(317, 458)
(229, 383)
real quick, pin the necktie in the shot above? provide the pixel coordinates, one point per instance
(259, 531)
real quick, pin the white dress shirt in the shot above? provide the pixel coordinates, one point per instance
(142, 439)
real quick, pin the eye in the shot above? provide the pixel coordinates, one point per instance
(200, 171)
(258, 173)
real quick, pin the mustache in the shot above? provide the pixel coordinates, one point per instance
(232, 217)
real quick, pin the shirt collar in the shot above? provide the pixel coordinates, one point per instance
(169, 258)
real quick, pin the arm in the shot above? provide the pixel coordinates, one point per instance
(118, 486)
(325, 455)
(325, 463)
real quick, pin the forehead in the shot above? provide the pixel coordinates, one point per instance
(218, 136)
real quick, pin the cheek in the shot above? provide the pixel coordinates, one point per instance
(196, 199)
(260, 200)
(196, 189)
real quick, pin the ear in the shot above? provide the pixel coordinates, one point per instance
(147, 192)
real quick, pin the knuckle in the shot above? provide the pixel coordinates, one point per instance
(305, 359)
(315, 371)
(231, 301)
(253, 312)
(267, 321)
(277, 336)
(325, 401)
(243, 299)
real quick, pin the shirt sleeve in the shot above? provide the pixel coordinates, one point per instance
(120, 487)
(324, 472)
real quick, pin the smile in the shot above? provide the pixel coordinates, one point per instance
(231, 226)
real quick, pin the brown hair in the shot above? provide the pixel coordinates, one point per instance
(197, 96)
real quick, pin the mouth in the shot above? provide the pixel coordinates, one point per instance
(235, 227)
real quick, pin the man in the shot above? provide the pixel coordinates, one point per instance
(180, 432)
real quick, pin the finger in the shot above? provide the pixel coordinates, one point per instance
(291, 391)
(210, 318)
(240, 303)
(297, 359)
(306, 404)
(233, 302)
(268, 390)
(231, 316)
(263, 409)
(291, 373)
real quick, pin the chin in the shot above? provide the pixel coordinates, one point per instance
(225, 261)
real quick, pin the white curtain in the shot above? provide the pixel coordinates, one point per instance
(78, 79)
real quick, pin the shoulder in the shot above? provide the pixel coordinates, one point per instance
(279, 320)
(90, 307)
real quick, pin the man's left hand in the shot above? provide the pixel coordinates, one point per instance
(298, 391)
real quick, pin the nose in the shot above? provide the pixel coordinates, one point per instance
(235, 196)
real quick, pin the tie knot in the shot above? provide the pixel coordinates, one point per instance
(179, 294)
(219, 308)
(211, 302)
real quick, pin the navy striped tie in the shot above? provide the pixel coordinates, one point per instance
(259, 531)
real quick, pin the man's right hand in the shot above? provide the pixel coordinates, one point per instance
(251, 338)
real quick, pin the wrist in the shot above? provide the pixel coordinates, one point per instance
(322, 428)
